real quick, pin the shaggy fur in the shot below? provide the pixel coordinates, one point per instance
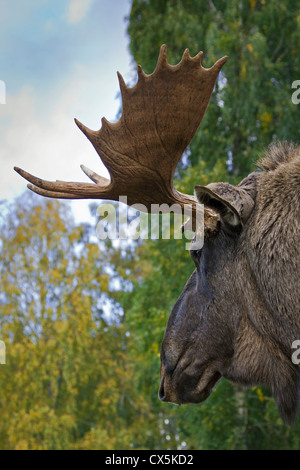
(240, 311)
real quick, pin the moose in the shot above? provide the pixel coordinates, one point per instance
(239, 313)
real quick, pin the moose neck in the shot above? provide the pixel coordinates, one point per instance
(271, 260)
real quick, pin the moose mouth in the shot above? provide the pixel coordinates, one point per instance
(187, 389)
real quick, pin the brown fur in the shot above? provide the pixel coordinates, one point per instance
(240, 311)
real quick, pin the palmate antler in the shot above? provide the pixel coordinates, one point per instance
(161, 114)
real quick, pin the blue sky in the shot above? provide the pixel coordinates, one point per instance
(58, 60)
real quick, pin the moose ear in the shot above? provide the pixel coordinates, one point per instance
(233, 203)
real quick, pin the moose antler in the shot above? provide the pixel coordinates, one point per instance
(161, 113)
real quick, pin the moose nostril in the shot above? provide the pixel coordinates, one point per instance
(161, 391)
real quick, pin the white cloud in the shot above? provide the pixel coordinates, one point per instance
(77, 10)
(38, 133)
(37, 130)
(50, 147)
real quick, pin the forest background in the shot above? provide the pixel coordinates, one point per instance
(83, 319)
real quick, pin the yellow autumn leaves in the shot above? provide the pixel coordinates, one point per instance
(67, 382)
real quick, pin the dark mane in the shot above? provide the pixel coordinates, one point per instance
(278, 153)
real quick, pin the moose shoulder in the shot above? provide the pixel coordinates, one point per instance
(239, 313)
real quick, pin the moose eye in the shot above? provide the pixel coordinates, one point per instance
(195, 255)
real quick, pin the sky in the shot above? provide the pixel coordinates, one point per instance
(58, 60)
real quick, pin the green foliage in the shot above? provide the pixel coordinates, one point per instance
(83, 321)
(252, 103)
(67, 382)
(251, 106)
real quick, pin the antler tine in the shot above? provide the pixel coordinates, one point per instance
(53, 194)
(162, 59)
(87, 132)
(67, 190)
(94, 176)
(161, 113)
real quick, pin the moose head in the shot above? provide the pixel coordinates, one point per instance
(239, 312)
